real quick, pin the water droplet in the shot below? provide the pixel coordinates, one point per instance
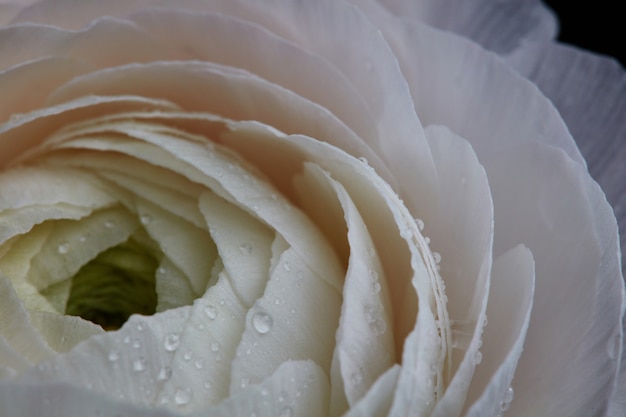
(507, 399)
(436, 257)
(63, 248)
(262, 322)
(375, 287)
(109, 224)
(126, 339)
(245, 248)
(287, 266)
(187, 356)
(364, 160)
(183, 395)
(218, 358)
(140, 327)
(613, 346)
(199, 363)
(427, 240)
(215, 346)
(282, 396)
(356, 378)
(286, 412)
(222, 301)
(420, 224)
(172, 342)
(139, 365)
(114, 355)
(379, 327)
(265, 392)
(244, 382)
(162, 270)
(478, 357)
(371, 313)
(164, 374)
(207, 385)
(82, 239)
(136, 344)
(211, 312)
(145, 219)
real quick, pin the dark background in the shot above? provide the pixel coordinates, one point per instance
(598, 26)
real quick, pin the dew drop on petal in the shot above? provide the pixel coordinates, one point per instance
(109, 224)
(287, 266)
(478, 357)
(145, 219)
(114, 355)
(437, 257)
(139, 365)
(164, 374)
(420, 224)
(215, 346)
(63, 248)
(282, 396)
(507, 399)
(262, 322)
(211, 312)
(183, 395)
(172, 342)
(187, 356)
(199, 364)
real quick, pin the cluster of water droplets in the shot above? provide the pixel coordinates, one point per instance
(505, 403)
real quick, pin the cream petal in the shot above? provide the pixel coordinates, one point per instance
(29, 84)
(293, 319)
(498, 26)
(377, 400)
(510, 305)
(457, 84)
(296, 389)
(390, 225)
(590, 93)
(461, 230)
(564, 219)
(243, 243)
(362, 337)
(63, 400)
(24, 133)
(61, 332)
(16, 328)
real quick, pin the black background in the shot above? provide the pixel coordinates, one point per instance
(598, 26)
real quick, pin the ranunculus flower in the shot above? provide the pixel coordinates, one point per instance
(292, 208)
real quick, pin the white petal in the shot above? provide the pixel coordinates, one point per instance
(498, 26)
(509, 309)
(562, 216)
(297, 388)
(23, 134)
(457, 84)
(364, 349)
(461, 229)
(16, 327)
(62, 332)
(590, 93)
(32, 195)
(296, 318)
(244, 246)
(377, 400)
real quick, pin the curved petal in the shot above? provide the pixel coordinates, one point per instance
(510, 305)
(565, 220)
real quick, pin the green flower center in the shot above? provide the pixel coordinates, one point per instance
(119, 282)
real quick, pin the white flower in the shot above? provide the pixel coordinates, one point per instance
(296, 208)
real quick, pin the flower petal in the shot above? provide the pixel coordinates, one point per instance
(563, 217)
(509, 309)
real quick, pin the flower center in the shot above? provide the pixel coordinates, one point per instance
(119, 282)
